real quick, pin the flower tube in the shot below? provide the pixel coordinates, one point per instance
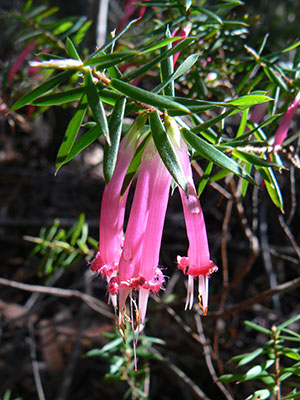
(283, 128)
(197, 263)
(112, 213)
(159, 188)
(184, 33)
(138, 267)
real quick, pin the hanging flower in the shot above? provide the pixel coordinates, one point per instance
(197, 263)
(138, 266)
(112, 213)
(184, 33)
(283, 128)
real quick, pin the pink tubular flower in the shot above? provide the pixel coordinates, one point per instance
(112, 214)
(138, 267)
(198, 263)
(130, 8)
(283, 128)
(183, 32)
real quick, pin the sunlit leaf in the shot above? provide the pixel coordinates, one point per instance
(209, 152)
(165, 149)
(96, 106)
(71, 133)
(42, 89)
(115, 129)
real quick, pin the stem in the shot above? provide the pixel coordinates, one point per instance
(277, 364)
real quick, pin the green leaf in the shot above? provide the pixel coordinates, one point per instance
(166, 150)
(116, 365)
(81, 33)
(292, 353)
(292, 395)
(205, 178)
(210, 14)
(243, 123)
(96, 106)
(150, 64)
(250, 356)
(77, 229)
(226, 378)
(272, 186)
(59, 98)
(245, 184)
(253, 373)
(146, 97)
(106, 348)
(249, 100)
(291, 47)
(112, 42)
(108, 60)
(274, 77)
(85, 140)
(257, 328)
(115, 129)
(166, 70)
(27, 6)
(71, 50)
(209, 152)
(181, 70)
(288, 322)
(163, 43)
(261, 394)
(41, 89)
(254, 159)
(71, 133)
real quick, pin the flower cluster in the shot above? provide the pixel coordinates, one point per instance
(129, 262)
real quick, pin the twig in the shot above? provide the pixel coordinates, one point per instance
(35, 366)
(94, 303)
(200, 338)
(293, 196)
(289, 235)
(280, 289)
(199, 394)
(208, 359)
(224, 241)
(266, 253)
(214, 185)
(69, 370)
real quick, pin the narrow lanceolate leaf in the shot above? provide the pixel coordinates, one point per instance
(209, 152)
(182, 69)
(205, 178)
(42, 89)
(112, 42)
(249, 100)
(166, 70)
(166, 150)
(150, 64)
(71, 133)
(254, 159)
(243, 123)
(96, 106)
(59, 98)
(115, 130)
(71, 50)
(146, 97)
(272, 186)
(107, 60)
(245, 184)
(257, 328)
(85, 140)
